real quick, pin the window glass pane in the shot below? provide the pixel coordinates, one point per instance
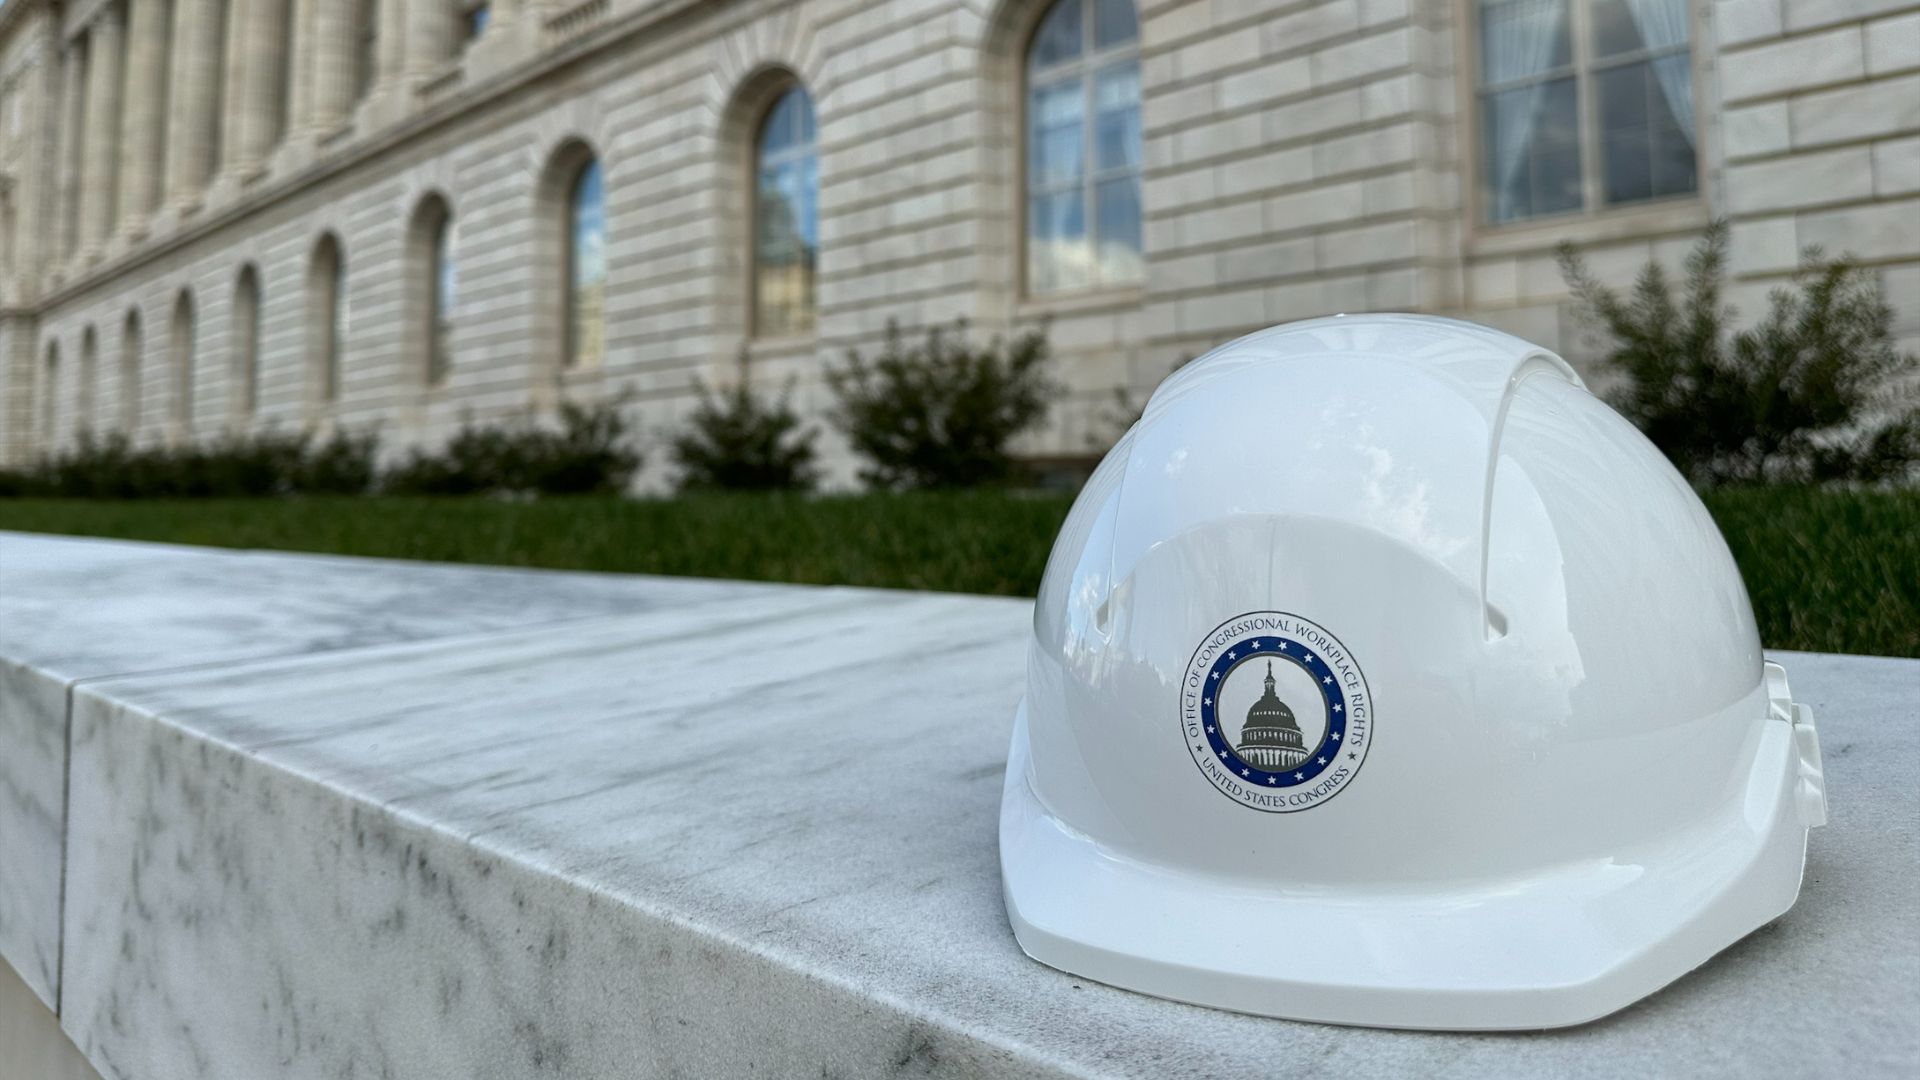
(1113, 23)
(587, 283)
(1613, 29)
(777, 133)
(1671, 154)
(1083, 148)
(446, 278)
(1054, 133)
(1057, 249)
(1522, 38)
(1647, 153)
(336, 326)
(1624, 133)
(49, 396)
(1058, 38)
(1531, 151)
(130, 375)
(366, 46)
(1624, 26)
(786, 225)
(183, 335)
(445, 285)
(247, 318)
(1116, 135)
(1117, 229)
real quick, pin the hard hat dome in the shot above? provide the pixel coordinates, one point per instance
(1373, 633)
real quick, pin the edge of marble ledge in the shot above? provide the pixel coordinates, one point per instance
(389, 561)
(673, 918)
(443, 566)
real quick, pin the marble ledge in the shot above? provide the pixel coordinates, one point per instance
(76, 609)
(754, 836)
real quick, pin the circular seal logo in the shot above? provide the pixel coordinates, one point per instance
(1276, 712)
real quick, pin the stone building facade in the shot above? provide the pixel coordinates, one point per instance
(223, 215)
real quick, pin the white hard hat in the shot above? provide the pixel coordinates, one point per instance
(1382, 675)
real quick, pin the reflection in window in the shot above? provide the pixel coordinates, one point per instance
(1541, 152)
(586, 266)
(786, 224)
(1083, 147)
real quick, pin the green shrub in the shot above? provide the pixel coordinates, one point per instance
(1815, 391)
(343, 465)
(588, 454)
(737, 442)
(941, 414)
(23, 483)
(264, 463)
(591, 453)
(250, 465)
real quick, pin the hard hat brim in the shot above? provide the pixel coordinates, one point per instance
(1561, 947)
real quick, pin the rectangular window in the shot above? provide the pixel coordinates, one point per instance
(1583, 105)
(366, 47)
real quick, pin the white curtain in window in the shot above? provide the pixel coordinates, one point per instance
(1663, 24)
(1519, 43)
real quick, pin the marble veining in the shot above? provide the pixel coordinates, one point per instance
(33, 753)
(74, 609)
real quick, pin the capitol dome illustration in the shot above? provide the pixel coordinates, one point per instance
(1270, 738)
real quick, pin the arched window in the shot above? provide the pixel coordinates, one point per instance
(130, 345)
(586, 222)
(181, 360)
(89, 381)
(49, 397)
(326, 318)
(1083, 147)
(432, 285)
(246, 343)
(786, 235)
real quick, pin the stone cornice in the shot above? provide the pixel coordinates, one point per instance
(429, 117)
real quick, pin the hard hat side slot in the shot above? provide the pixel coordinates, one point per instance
(1496, 620)
(1495, 623)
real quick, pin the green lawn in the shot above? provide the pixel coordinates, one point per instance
(1829, 571)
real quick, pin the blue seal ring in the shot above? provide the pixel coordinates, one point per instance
(1294, 777)
(1303, 657)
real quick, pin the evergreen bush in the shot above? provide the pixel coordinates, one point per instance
(1815, 391)
(941, 414)
(735, 441)
(263, 463)
(589, 453)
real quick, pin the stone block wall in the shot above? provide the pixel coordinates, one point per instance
(1300, 158)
